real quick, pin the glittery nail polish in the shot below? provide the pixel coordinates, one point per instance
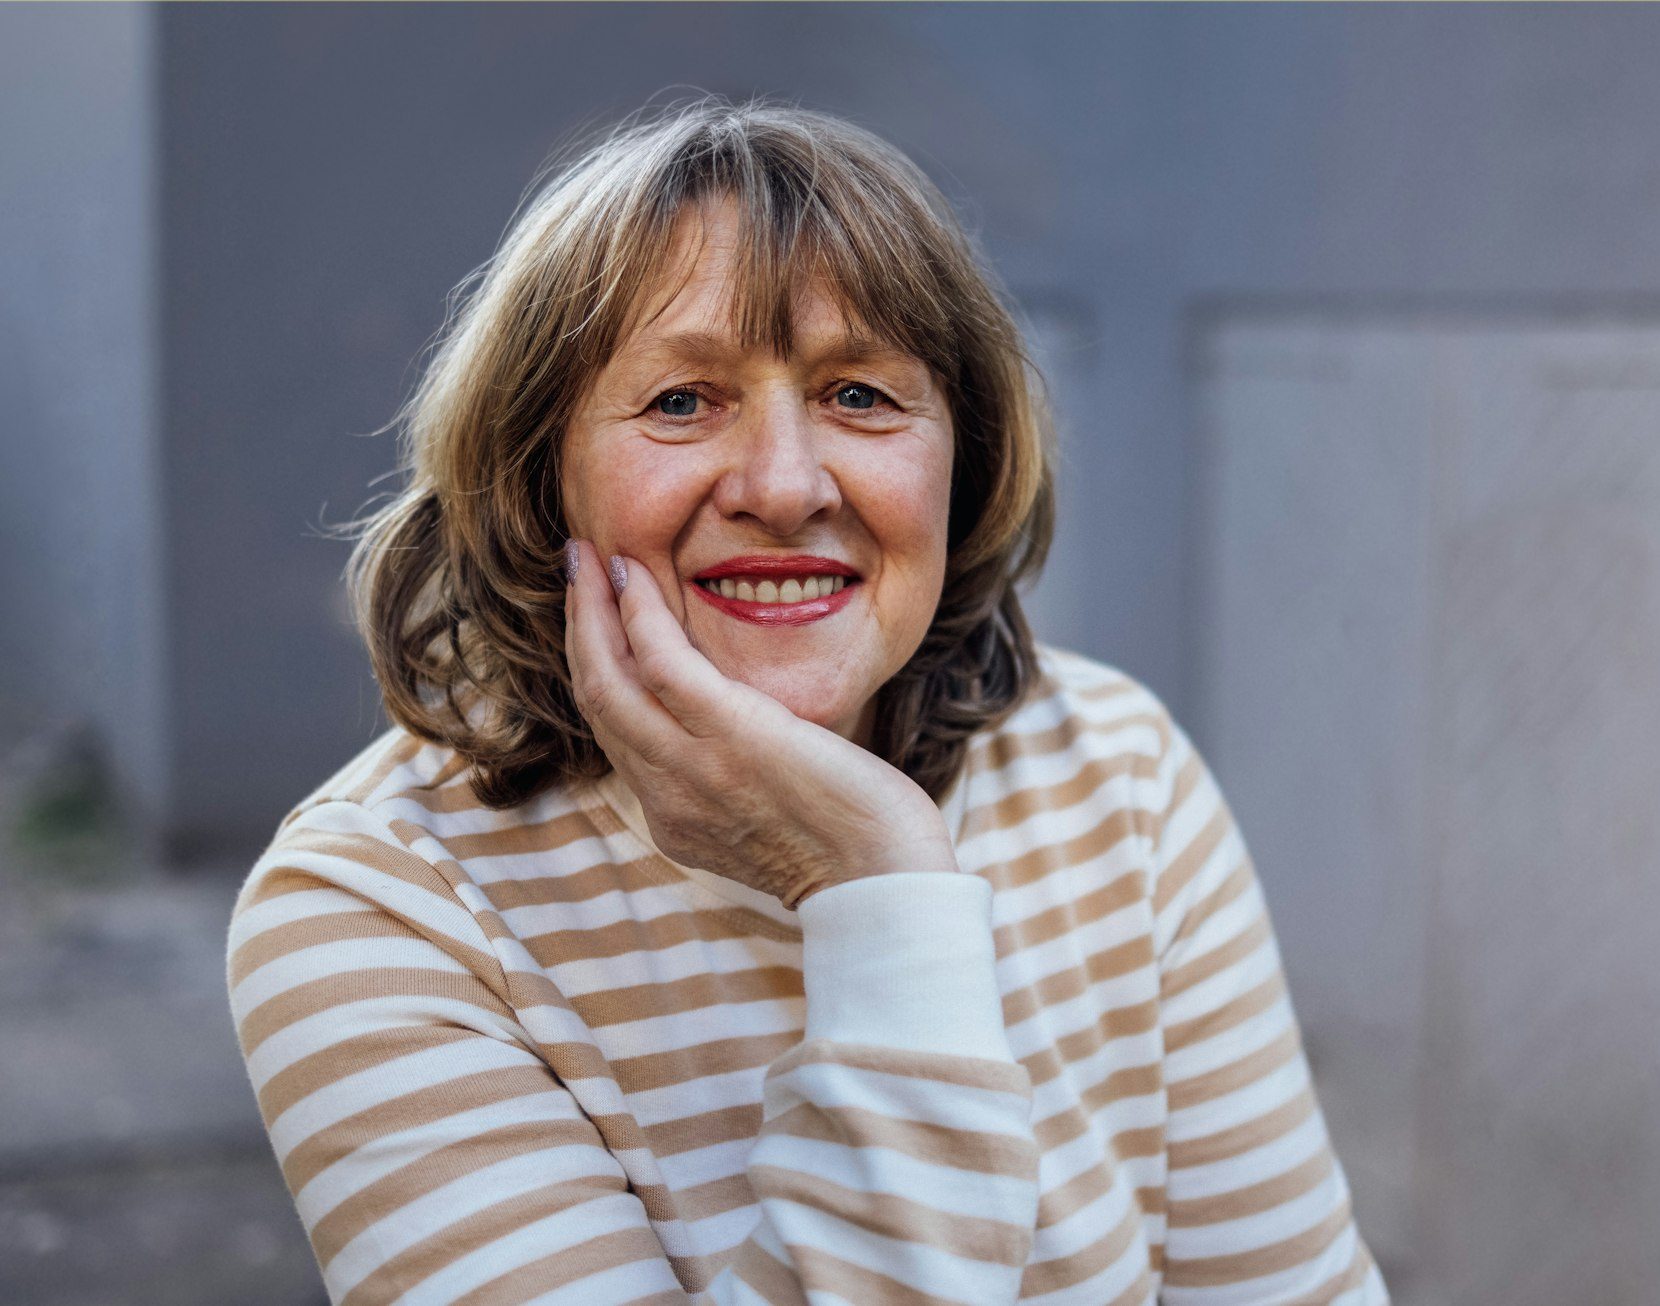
(619, 573)
(572, 557)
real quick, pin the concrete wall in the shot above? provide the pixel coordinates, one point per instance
(1433, 541)
(83, 623)
(1336, 167)
(1421, 156)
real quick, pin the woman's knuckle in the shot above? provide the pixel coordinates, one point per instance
(593, 697)
(657, 669)
(658, 756)
(747, 715)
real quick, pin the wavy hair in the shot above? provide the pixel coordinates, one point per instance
(456, 583)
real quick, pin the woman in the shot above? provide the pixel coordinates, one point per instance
(744, 906)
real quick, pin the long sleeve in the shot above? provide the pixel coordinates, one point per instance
(435, 1157)
(1258, 1204)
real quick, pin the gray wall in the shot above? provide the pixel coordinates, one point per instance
(81, 610)
(1433, 607)
(325, 175)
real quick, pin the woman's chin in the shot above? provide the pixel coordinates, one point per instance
(843, 725)
(811, 708)
(796, 690)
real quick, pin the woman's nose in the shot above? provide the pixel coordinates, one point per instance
(778, 474)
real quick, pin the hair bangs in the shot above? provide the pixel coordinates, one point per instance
(805, 219)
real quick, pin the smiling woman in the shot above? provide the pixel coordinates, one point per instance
(744, 907)
(778, 279)
(764, 462)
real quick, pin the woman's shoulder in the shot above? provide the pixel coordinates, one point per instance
(395, 823)
(1087, 732)
(420, 786)
(1080, 699)
(393, 764)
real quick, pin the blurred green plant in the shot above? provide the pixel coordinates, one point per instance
(61, 817)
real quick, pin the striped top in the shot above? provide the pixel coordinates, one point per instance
(521, 1056)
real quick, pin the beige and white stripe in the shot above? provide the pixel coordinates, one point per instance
(520, 1056)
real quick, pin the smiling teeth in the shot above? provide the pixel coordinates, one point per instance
(793, 590)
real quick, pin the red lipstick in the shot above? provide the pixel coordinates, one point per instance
(778, 614)
(772, 564)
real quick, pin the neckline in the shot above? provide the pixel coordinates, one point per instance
(615, 793)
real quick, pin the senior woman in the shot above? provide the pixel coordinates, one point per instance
(744, 907)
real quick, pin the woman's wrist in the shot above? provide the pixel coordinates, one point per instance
(806, 889)
(817, 883)
(936, 857)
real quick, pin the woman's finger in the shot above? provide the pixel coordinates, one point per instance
(667, 663)
(580, 565)
(603, 671)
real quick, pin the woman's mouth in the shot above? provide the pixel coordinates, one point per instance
(778, 600)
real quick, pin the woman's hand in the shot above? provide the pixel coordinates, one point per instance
(730, 780)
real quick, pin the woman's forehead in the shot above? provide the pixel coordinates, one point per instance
(698, 322)
(711, 296)
(720, 264)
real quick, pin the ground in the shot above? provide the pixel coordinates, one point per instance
(133, 1165)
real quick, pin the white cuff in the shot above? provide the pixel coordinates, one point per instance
(904, 960)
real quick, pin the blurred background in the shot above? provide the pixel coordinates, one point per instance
(1352, 315)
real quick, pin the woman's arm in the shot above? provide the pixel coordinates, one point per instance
(435, 1157)
(1259, 1208)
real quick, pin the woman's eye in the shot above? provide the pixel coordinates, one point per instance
(852, 396)
(677, 403)
(861, 396)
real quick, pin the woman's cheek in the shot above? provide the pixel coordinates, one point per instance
(650, 496)
(918, 503)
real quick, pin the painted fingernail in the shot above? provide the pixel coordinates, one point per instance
(619, 574)
(571, 559)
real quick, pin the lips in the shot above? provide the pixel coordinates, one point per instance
(777, 614)
(780, 566)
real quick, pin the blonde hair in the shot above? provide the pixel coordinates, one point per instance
(456, 582)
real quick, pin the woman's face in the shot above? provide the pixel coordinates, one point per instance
(689, 454)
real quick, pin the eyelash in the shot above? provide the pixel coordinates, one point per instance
(695, 389)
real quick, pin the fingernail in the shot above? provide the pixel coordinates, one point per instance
(572, 557)
(619, 574)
